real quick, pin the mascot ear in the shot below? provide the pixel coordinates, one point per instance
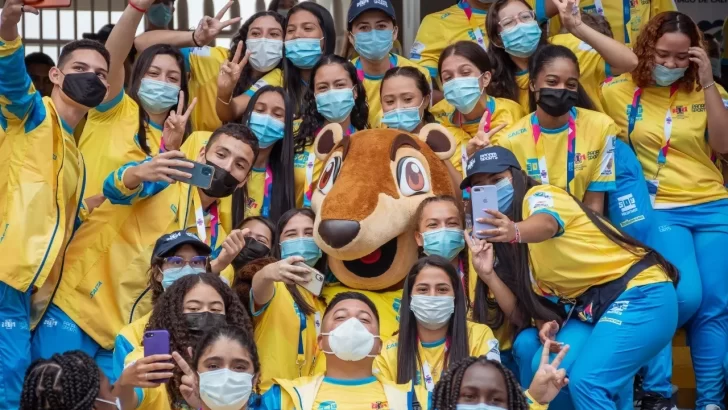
(439, 139)
(327, 139)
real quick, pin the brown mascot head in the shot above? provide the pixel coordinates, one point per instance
(367, 195)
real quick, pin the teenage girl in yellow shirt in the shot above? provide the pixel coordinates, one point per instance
(674, 117)
(128, 127)
(515, 35)
(287, 317)
(560, 249)
(335, 96)
(434, 332)
(309, 35)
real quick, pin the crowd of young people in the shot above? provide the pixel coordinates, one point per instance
(603, 129)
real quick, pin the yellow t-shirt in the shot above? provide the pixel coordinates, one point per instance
(110, 140)
(579, 256)
(594, 70)
(522, 80)
(689, 177)
(256, 188)
(594, 168)
(274, 78)
(372, 84)
(481, 341)
(362, 394)
(277, 335)
(203, 65)
(503, 111)
(626, 28)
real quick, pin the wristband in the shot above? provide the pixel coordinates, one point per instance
(194, 40)
(709, 85)
(517, 238)
(137, 8)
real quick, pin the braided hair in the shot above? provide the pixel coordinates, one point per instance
(169, 314)
(447, 390)
(68, 381)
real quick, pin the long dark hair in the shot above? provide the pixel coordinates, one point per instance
(141, 66)
(168, 314)
(246, 77)
(276, 251)
(292, 74)
(545, 55)
(408, 357)
(513, 259)
(469, 50)
(420, 82)
(313, 120)
(503, 83)
(280, 160)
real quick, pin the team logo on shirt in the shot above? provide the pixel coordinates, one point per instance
(639, 112)
(250, 203)
(579, 160)
(379, 405)
(680, 111)
(327, 405)
(416, 51)
(395, 305)
(532, 168)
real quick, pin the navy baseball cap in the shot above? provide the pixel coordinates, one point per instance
(176, 239)
(359, 6)
(491, 160)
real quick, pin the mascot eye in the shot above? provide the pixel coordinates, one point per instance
(412, 177)
(329, 174)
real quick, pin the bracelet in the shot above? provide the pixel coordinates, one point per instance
(226, 103)
(194, 40)
(517, 239)
(137, 8)
(709, 85)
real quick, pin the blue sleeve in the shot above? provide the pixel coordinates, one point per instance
(271, 400)
(118, 194)
(602, 186)
(262, 308)
(186, 53)
(541, 11)
(122, 348)
(18, 97)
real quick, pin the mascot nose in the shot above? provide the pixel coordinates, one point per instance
(337, 233)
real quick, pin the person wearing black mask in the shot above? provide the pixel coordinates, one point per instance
(191, 307)
(258, 240)
(564, 142)
(43, 190)
(110, 253)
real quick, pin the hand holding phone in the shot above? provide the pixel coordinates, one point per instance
(156, 344)
(200, 175)
(316, 279)
(483, 197)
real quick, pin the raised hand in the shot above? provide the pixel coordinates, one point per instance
(147, 372)
(189, 388)
(699, 57)
(569, 13)
(210, 27)
(482, 253)
(287, 272)
(12, 12)
(230, 70)
(549, 379)
(231, 247)
(160, 168)
(176, 123)
(504, 231)
(482, 138)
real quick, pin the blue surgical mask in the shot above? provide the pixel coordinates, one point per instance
(664, 76)
(405, 119)
(304, 52)
(463, 93)
(267, 129)
(445, 242)
(335, 105)
(159, 15)
(521, 40)
(504, 188)
(304, 247)
(157, 96)
(169, 276)
(479, 406)
(374, 45)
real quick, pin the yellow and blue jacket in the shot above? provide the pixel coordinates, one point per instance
(129, 339)
(42, 184)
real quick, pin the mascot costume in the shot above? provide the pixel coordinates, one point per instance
(365, 201)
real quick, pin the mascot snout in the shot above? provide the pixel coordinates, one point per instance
(338, 233)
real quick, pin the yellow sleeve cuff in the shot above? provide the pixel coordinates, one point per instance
(8, 47)
(533, 404)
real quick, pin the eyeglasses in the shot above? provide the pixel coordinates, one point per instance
(523, 17)
(178, 262)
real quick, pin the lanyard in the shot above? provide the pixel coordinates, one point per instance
(627, 16)
(667, 126)
(267, 188)
(360, 69)
(302, 325)
(427, 371)
(477, 32)
(570, 152)
(200, 219)
(310, 162)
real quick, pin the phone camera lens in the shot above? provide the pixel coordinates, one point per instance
(206, 171)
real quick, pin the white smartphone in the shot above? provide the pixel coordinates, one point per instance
(483, 197)
(317, 280)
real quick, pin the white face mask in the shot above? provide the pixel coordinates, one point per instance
(479, 406)
(265, 53)
(351, 341)
(225, 389)
(432, 312)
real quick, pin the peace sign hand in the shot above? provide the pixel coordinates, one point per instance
(482, 138)
(176, 124)
(189, 388)
(211, 27)
(482, 252)
(230, 71)
(504, 231)
(549, 379)
(569, 13)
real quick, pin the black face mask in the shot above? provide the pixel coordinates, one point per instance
(556, 101)
(199, 323)
(223, 183)
(84, 88)
(253, 250)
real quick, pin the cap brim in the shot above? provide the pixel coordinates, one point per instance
(490, 169)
